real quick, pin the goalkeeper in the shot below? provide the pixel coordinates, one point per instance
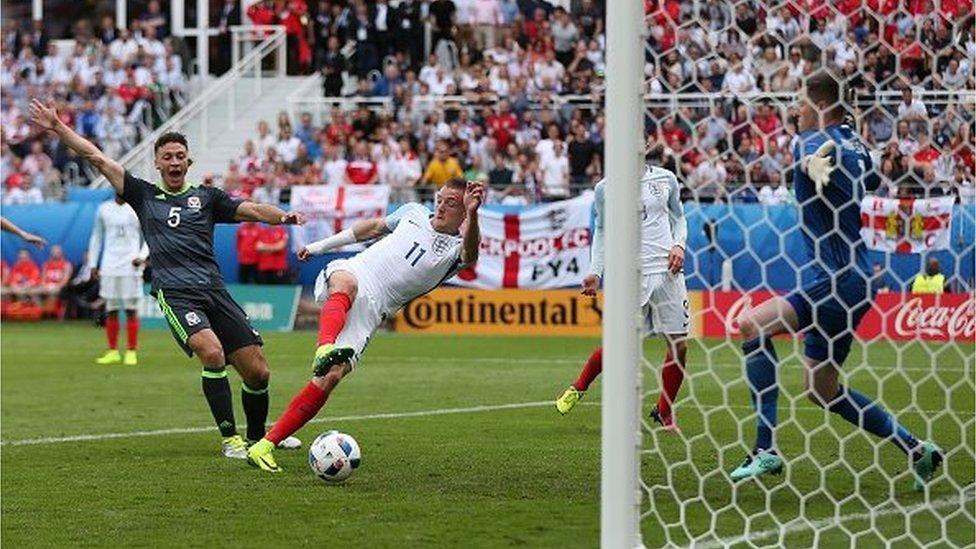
(835, 295)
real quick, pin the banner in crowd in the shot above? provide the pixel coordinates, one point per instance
(542, 247)
(906, 225)
(502, 312)
(329, 209)
(270, 308)
(893, 316)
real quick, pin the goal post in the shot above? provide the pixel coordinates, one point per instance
(621, 434)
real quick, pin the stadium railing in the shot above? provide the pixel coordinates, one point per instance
(219, 95)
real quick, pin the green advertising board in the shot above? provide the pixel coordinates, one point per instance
(270, 308)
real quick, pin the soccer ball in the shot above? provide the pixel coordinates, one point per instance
(333, 456)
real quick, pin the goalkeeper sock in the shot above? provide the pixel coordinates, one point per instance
(672, 374)
(112, 331)
(333, 316)
(592, 368)
(216, 389)
(300, 410)
(255, 402)
(859, 410)
(761, 371)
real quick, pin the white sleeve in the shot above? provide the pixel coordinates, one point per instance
(394, 218)
(95, 241)
(676, 214)
(596, 248)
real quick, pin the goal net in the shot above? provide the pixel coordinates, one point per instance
(721, 112)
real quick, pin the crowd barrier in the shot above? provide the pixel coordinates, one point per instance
(893, 316)
(761, 242)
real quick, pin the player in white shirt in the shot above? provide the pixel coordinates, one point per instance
(119, 271)
(416, 252)
(664, 296)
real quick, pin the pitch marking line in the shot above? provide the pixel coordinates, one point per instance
(796, 526)
(190, 430)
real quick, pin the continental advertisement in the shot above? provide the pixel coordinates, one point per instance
(508, 312)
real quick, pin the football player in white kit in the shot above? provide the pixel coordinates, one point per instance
(417, 251)
(664, 296)
(119, 271)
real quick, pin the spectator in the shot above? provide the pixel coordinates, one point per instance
(442, 167)
(265, 140)
(879, 280)
(486, 15)
(55, 274)
(25, 277)
(911, 109)
(584, 159)
(334, 168)
(333, 64)
(287, 144)
(247, 252)
(931, 281)
(707, 181)
(555, 173)
(361, 170)
(272, 248)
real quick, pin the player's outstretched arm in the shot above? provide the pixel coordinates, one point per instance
(361, 231)
(47, 118)
(9, 227)
(474, 195)
(266, 213)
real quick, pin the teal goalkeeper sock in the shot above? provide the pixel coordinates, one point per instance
(859, 410)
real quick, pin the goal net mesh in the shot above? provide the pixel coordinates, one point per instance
(722, 82)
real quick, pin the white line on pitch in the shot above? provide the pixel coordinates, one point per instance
(189, 430)
(800, 525)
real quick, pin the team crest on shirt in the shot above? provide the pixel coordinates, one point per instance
(441, 245)
(192, 319)
(193, 202)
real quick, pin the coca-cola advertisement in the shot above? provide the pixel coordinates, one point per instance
(893, 316)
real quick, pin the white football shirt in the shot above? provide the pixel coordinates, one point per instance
(409, 262)
(117, 227)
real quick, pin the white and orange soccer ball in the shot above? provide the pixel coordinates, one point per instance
(333, 456)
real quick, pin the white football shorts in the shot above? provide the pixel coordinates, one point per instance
(120, 292)
(665, 304)
(364, 317)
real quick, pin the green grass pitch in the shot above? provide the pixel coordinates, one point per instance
(462, 448)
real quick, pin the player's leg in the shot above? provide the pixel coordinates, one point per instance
(186, 315)
(131, 298)
(109, 292)
(758, 327)
(672, 376)
(591, 369)
(364, 318)
(670, 314)
(341, 288)
(824, 389)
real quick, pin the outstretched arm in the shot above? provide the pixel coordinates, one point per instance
(266, 213)
(47, 118)
(474, 195)
(9, 227)
(361, 231)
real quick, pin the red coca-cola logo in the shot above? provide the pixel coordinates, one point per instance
(915, 318)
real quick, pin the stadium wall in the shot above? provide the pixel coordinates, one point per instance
(762, 242)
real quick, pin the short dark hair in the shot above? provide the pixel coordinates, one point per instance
(456, 183)
(170, 137)
(824, 87)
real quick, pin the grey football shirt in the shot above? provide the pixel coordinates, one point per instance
(178, 227)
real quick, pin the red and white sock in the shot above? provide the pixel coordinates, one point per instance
(132, 332)
(333, 316)
(112, 331)
(301, 409)
(672, 375)
(592, 368)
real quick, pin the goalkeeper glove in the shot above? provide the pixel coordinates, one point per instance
(820, 165)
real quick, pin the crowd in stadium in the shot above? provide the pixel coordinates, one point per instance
(114, 86)
(511, 93)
